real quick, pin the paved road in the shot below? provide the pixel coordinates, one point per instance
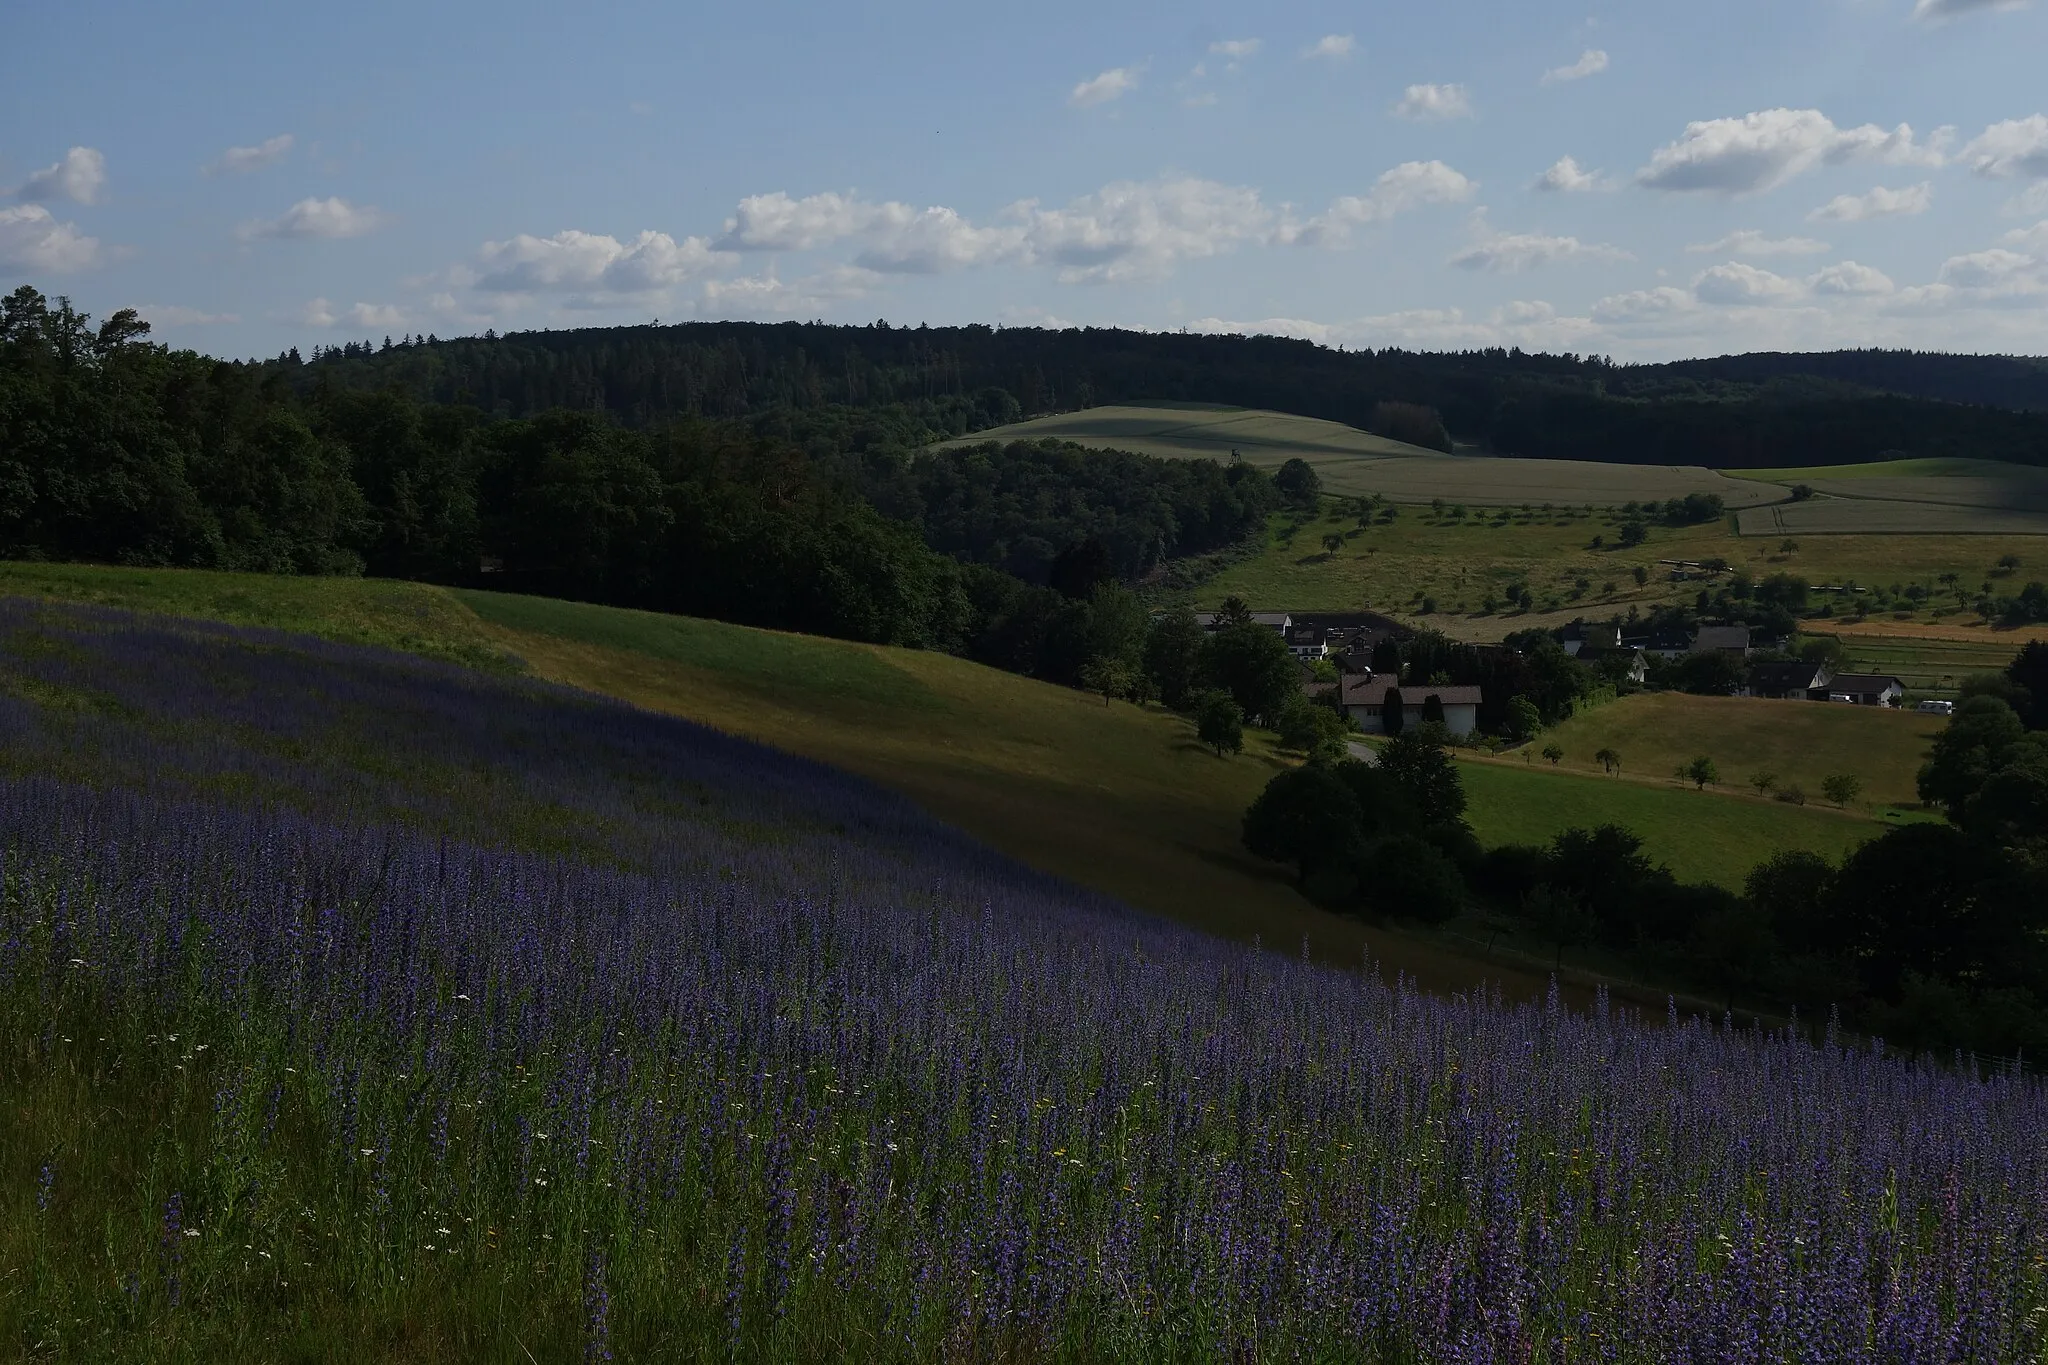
(1362, 751)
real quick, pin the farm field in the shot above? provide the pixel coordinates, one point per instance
(1459, 562)
(1802, 742)
(354, 1006)
(1354, 462)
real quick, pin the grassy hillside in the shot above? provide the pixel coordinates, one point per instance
(1946, 496)
(1353, 462)
(1802, 742)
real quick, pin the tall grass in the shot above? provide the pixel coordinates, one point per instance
(757, 1062)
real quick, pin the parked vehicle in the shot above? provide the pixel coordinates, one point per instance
(1937, 708)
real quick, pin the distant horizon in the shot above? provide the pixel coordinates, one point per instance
(1653, 183)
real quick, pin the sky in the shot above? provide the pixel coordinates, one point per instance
(1650, 181)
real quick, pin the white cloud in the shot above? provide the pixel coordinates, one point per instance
(1736, 284)
(1515, 252)
(1949, 9)
(1849, 279)
(584, 260)
(79, 177)
(1567, 176)
(1590, 63)
(1762, 151)
(1435, 102)
(1333, 46)
(240, 160)
(776, 222)
(2016, 149)
(1112, 84)
(2030, 201)
(30, 239)
(753, 294)
(1878, 203)
(1236, 49)
(174, 315)
(1986, 269)
(1750, 242)
(927, 242)
(1134, 230)
(1643, 305)
(320, 313)
(1408, 186)
(325, 218)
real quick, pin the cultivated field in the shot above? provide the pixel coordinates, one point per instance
(1802, 742)
(1947, 497)
(1354, 462)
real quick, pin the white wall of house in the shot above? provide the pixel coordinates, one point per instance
(1460, 718)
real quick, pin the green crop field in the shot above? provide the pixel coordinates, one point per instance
(1700, 836)
(1353, 462)
(1801, 742)
(1954, 497)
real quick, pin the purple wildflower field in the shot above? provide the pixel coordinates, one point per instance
(340, 987)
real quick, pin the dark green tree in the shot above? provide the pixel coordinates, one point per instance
(1173, 656)
(1426, 776)
(1306, 816)
(1218, 722)
(1252, 664)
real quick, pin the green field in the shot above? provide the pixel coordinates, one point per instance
(1460, 562)
(1800, 741)
(1700, 836)
(1920, 497)
(1354, 462)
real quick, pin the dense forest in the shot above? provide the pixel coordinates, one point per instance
(1744, 411)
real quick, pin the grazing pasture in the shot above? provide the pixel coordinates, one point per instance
(354, 1004)
(1354, 462)
(1801, 742)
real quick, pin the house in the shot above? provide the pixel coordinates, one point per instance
(1729, 640)
(1866, 689)
(1307, 642)
(1365, 698)
(1670, 642)
(1789, 681)
(1636, 665)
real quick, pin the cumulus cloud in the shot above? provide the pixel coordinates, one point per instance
(1761, 151)
(1134, 230)
(1750, 242)
(934, 240)
(1736, 284)
(32, 240)
(756, 294)
(174, 315)
(328, 218)
(2016, 149)
(1512, 253)
(1112, 84)
(241, 160)
(1591, 62)
(1567, 176)
(1408, 186)
(1435, 102)
(321, 313)
(1877, 203)
(1643, 305)
(1849, 279)
(776, 222)
(1331, 47)
(80, 176)
(1950, 9)
(575, 260)
(1236, 49)
(1986, 269)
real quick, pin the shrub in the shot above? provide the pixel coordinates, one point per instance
(1790, 794)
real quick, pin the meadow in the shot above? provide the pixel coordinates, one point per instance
(1353, 462)
(1801, 742)
(1949, 497)
(355, 1004)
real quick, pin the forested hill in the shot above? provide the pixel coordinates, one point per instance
(1735, 412)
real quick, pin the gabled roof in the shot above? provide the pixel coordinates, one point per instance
(1361, 689)
(1787, 677)
(1864, 682)
(1278, 620)
(1720, 637)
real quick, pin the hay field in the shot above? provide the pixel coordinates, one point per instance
(1351, 462)
(1947, 497)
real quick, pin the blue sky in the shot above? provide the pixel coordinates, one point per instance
(1649, 181)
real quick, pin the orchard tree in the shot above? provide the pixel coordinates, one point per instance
(1701, 772)
(1841, 788)
(1554, 753)
(1218, 723)
(1609, 760)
